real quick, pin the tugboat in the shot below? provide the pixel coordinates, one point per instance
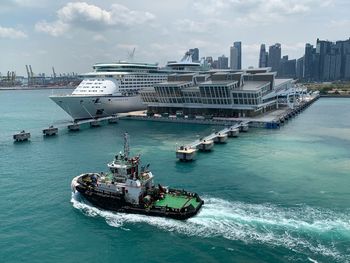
(126, 188)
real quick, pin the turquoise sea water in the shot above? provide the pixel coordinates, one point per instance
(271, 195)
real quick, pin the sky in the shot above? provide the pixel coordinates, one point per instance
(73, 35)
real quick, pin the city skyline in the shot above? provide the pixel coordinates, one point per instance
(72, 36)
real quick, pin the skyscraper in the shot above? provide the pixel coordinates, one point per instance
(300, 68)
(274, 57)
(222, 62)
(344, 50)
(287, 68)
(347, 67)
(195, 54)
(263, 56)
(309, 61)
(236, 56)
(328, 61)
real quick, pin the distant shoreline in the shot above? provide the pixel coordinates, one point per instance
(36, 88)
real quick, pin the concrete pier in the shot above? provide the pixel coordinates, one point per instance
(22, 136)
(220, 138)
(74, 127)
(206, 145)
(233, 132)
(113, 119)
(51, 131)
(95, 123)
(244, 127)
(185, 154)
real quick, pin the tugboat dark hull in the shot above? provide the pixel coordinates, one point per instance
(118, 204)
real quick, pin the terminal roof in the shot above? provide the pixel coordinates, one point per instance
(282, 81)
(254, 85)
(218, 82)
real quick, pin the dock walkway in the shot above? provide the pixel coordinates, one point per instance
(188, 152)
(212, 136)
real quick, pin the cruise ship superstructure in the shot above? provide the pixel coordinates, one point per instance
(114, 87)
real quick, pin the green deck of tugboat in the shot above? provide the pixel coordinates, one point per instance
(177, 202)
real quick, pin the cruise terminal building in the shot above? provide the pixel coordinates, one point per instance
(245, 93)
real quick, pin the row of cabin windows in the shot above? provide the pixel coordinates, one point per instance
(145, 78)
(128, 90)
(89, 90)
(94, 87)
(94, 80)
(137, 85)
(142, 81)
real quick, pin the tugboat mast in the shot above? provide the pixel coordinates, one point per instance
(126, 145)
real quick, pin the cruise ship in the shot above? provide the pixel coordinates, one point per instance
(114, 87)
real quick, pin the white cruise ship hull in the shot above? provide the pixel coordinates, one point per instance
(87, 107)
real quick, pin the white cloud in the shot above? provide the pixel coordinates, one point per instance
(205, 26)
(210, 7)
(31, 3)
(177, 49)
(23, 3)
(293, 47)
(92, 17)
(99, 38)
(42, 52)
(345, 23)
(81, 12)
(55, 29)
(128, 47)
(251, 48)
(9, 32)
(252, 12)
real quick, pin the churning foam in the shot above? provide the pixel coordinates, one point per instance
(297, 229)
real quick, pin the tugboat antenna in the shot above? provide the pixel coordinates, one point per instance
(126, 145)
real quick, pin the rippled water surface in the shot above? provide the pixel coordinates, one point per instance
(270, 195)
